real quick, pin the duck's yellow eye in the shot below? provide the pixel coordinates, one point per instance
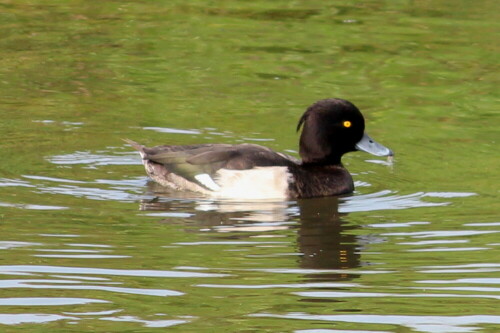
(347, 123)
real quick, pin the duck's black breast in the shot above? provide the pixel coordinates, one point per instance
(319, 180)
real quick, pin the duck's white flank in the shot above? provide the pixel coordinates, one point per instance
(206, 180)
(256, 183)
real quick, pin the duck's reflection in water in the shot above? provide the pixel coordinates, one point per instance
(326, 243)
(326, 240)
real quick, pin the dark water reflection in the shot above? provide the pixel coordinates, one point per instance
(323, 238)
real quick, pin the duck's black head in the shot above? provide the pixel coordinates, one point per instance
(331, 128)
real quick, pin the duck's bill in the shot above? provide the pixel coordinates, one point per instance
(371, 146)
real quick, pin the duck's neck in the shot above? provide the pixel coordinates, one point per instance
(323, 162)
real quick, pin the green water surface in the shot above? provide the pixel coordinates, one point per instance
(87, 244)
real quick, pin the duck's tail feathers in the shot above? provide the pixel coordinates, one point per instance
(134, 144)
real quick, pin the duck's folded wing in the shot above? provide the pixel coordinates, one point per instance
(193, 163)
(200, 163)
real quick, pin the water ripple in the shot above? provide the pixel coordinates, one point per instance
(323, 330)
(89, 192)
(73, 285)
(441, 233)
(93, 160)
(81, 256)
(336, 294)
(31, 318)
(5, 182)
(39, 301)
(34, 318)
(428, 324)
(319, 271)
(386, 199)
(146, 323)
(32, 206)
(270, 286)
(449, 249)
(104, 271)
(5, 245)
(229, 243)
(467, 268)
(172, 130)
(468, 280)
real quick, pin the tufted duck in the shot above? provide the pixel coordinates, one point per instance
(330, 128)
